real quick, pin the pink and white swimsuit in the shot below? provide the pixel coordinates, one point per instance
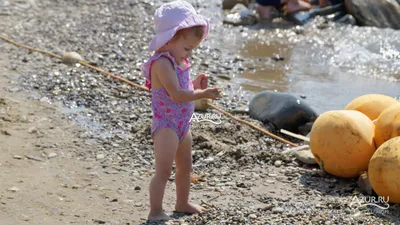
(166, 112)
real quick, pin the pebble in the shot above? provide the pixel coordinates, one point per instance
(99, 221)
(111, 172)
(13, 189)
(364, 184)
(278, 210)
(71, 58)
(224, 77)
(17, 157)
(267, 207)
(52, 155)
(208, 160)
(32, 130)
(278, 163)
(100, 156)
(253, 216)
(76, 186)
(241, 185)
(277, 57)
(33, 158)
(6, 132)
(230, 184)
(24, 217)
(267, 182)
(305, 156)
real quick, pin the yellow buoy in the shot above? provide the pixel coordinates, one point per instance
(371, 105)
(387, 125)
(384, 170)
(342, 142)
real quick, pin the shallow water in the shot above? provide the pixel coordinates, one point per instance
(330, 67)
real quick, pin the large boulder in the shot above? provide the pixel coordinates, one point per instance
(240, 15)
(283, 110)
(377, 13)
(229, 4)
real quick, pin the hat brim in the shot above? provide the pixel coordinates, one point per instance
(162, 38)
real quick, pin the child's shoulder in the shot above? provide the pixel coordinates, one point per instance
(162, 62)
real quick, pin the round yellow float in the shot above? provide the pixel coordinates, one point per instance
(342, 142)
(384, 170)
(371, 105)
(387, 125)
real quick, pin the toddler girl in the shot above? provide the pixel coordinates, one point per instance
(179, 29)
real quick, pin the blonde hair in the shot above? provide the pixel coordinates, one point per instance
(197, 31)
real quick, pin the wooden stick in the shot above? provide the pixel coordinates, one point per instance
(30, 48)
(114, 76)
(251, 125)
(298, 136)
(295, 149)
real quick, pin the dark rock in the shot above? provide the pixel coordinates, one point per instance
(277, 58)
(229, 4)
(377, 13)
(283, 110)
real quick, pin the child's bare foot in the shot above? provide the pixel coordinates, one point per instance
(294, 6)
(158, 216)
(189, 208)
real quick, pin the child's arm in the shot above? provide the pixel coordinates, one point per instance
(165, 73)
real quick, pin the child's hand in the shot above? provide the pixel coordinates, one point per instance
(201, 82)
(212, 93)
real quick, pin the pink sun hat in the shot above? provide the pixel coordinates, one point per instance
(174, 16)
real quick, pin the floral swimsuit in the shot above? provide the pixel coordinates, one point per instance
(166, 112)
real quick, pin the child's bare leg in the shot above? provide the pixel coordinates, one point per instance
(183, 162)
(165, 146)
(324, 3)
(264, 12)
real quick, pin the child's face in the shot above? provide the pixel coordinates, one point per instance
(181, 47)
